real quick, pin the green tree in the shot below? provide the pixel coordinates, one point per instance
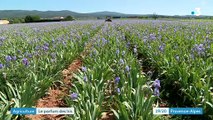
(16, 20)
(22, 20)
(155, 16)
(36, 18)
(30, 18)
(69, 18)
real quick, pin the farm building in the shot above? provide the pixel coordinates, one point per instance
(4, 22)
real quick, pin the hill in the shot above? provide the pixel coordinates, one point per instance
(49, 14)
(10, 14)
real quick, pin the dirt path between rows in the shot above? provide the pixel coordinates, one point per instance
(55, 95)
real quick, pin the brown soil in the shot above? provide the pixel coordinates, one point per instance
(55, 95)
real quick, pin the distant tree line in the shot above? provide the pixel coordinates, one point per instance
(14, 20)
(155, 16)
(36, 18)
(29, 19)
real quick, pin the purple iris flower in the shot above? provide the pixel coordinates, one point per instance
(200, 49)
(104, 41)
(85, 78)
(152, 37)
(127, 68)
(118, 90)
(1, 66)
(157, 86)
(74, 96)
(25, 61)
(117, 79)
(45, 48)
(156, 83)
(121, 61)
(8, 58)
(2, 38)
(84, 69)
(46, 44)
(162, 47)
(156, 92)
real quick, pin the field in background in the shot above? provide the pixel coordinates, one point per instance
(131, 66)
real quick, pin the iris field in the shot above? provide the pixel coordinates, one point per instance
(131, 67)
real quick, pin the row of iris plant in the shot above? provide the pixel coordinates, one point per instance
(131, 65)
(111, 82)
(32, 57)
(180, 55)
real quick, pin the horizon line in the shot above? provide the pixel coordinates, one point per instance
(97, 12)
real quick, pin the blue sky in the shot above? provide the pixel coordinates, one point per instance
(163, 7)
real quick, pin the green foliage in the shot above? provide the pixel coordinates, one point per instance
(16, 20)
(20, 84)
(154, 16)
(30, 18)
(98, 92)
(69, 18)
(120, 63)
(171, 52)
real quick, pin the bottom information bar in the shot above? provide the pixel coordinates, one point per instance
(178, 111)
(34, 111)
